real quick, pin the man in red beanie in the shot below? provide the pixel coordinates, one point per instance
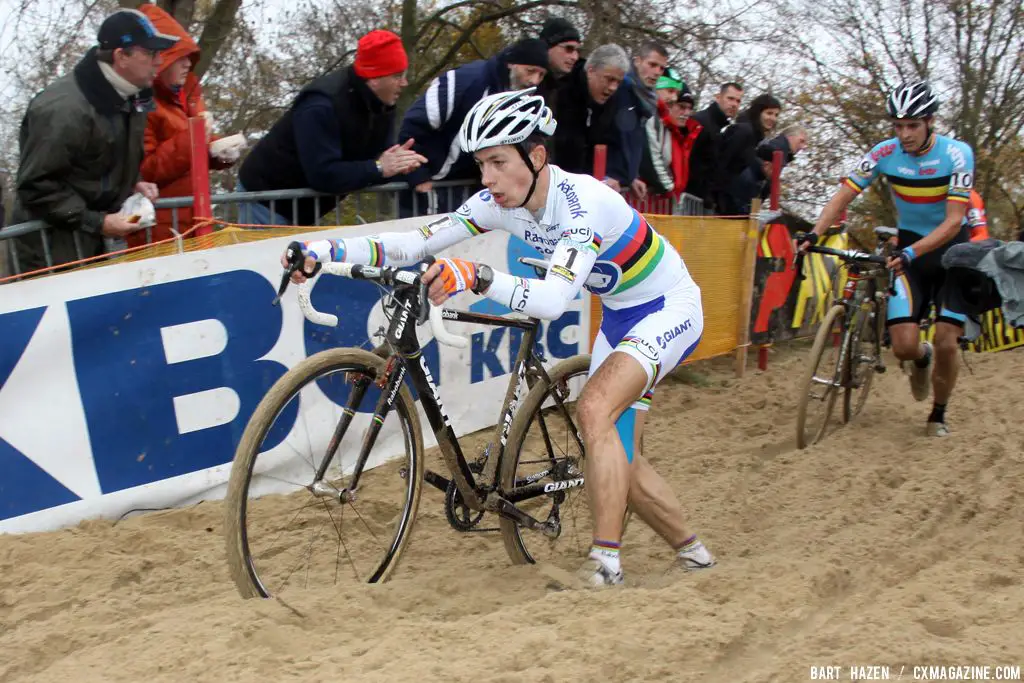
(337, 137)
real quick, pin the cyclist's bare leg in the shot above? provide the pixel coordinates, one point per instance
(651, 498)
(614, 387)
(906, 341)
(946, 364)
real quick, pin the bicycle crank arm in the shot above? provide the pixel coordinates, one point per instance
(509, 511)
(436, 480)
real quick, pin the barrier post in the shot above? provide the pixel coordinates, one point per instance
(746, 301)
(762, 350)
(600, 161)
(201, 205)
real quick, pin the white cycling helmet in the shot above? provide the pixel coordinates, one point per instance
(506, 118)
(912, 101)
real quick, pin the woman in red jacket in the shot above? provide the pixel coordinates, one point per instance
(178, 95)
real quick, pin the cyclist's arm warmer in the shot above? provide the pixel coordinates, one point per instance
(395, 248)
(548, 298)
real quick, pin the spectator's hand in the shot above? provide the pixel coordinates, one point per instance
(612, 183)
(118, 225)
(425, 187)
(639, 189)
(148, 190)
(400, 159)
(766, 166)
(228, 149)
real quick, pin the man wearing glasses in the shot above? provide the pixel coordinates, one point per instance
(563, 41)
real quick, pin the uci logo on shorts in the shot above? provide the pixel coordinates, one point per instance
(673, 333)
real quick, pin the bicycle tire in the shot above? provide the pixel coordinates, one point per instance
(240, 561)
(532, 404)
(822, 338)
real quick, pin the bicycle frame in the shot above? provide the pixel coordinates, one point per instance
(407, 359)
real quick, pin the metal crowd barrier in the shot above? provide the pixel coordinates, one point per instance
(370, 205)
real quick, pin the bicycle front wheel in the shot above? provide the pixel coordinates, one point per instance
(861, 359)
(545, 445)
(287, 526)
(820, 384)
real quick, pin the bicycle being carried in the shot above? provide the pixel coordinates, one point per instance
(355, 507)
(847, 350)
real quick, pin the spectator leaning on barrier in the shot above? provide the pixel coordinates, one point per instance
(756, 179)
(585, 111)
(563, 41)
(738, 153)
(434, 119)
(81, 143)
(670, 137)
(638, 103)
(168, 144)
(707, 147)
(337, 137)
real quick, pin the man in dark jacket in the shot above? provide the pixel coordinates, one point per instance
(563, 41)
(707, 147)
(81, 145)
(337, 137)
(586, 108)
(639, 103)
(434, 119)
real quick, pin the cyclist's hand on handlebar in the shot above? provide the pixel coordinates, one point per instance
(297, 277)
(447, 277)
(899, 262)
(805, 240)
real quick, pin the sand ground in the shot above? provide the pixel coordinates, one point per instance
(876, 547)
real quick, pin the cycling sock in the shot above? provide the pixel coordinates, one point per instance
(938, 413)
(695, 552)
(607, 553)
(688, 544)
(926, 359)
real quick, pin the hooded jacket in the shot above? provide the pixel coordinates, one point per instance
(168, 147)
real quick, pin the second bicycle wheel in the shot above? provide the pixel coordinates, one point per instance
(820, 384)
(285, 527)
(545, 444)
(861, 359)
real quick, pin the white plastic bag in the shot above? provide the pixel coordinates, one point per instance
(138, 209)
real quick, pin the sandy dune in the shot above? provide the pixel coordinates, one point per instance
(877, 547)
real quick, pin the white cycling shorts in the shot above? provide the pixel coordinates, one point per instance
(659, 334)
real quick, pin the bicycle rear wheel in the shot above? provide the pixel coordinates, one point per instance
(823, 372)
(545, 445)
(283, 526)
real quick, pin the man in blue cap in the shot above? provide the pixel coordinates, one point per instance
(81, 144)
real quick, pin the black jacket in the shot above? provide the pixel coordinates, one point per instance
(81, 149)
(344, 149)
(704, 158)
(582, 124)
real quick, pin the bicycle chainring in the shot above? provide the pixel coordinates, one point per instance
(460, 516)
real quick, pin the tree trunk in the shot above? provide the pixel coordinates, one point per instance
(215, 32)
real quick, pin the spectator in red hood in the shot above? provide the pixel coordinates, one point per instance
(168, 156)
(666, 162)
